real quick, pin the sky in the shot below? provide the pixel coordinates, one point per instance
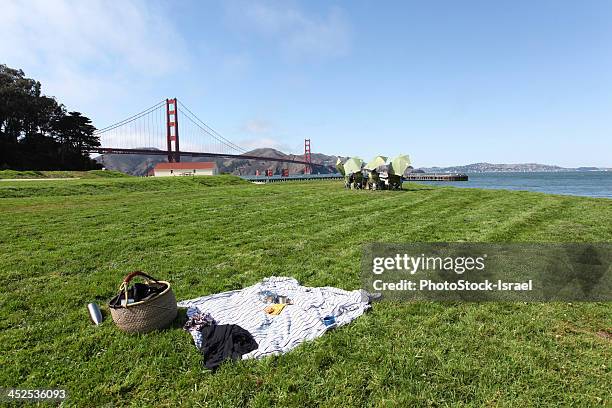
(447, 82)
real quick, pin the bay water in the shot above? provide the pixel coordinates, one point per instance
(578, 183)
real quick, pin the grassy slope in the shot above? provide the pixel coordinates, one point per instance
(63, 247)
(35, 174)
(9, 189)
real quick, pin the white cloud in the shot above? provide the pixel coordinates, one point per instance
(83, 51)
(262, 142)
(299, 34)
(257, 126)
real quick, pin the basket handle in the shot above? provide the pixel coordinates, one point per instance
(132, 275)
(124, 285)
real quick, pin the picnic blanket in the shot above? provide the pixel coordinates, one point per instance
(298, 322)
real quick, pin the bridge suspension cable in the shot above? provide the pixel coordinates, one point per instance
(150, 129)
(130, 119)
(208, 130)
(155, 131)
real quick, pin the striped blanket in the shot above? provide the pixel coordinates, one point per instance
(298, 322)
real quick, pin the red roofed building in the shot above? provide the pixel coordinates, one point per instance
(185, 169)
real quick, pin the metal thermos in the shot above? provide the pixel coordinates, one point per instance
(94, 313)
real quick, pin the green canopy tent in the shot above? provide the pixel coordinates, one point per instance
(379, 163)
(353, 165)
(340, 167)
(400, 164)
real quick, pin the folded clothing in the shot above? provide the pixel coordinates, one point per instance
(300, 322)
(138, 292)
(198, 321)
(225, 341)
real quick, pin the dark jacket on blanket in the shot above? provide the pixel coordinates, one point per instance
(220, 342)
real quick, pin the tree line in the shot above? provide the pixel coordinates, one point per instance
(37, 132)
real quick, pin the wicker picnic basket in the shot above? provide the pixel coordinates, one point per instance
(146, 315)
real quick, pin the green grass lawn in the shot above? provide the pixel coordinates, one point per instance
(67, 243)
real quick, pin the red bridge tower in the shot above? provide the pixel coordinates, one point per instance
(172, 122)
(307, 158)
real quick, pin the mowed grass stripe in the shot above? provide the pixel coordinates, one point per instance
(71, 244)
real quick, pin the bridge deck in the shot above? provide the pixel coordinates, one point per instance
(113, 150)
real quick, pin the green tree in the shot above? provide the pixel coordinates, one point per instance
(35, 130)
(74, 132)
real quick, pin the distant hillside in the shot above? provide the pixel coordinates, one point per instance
(489, 167)
(140, 165)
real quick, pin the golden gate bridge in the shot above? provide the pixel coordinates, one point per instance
(155, 131)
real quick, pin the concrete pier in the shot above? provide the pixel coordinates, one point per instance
(436, 177)
(338, 176)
